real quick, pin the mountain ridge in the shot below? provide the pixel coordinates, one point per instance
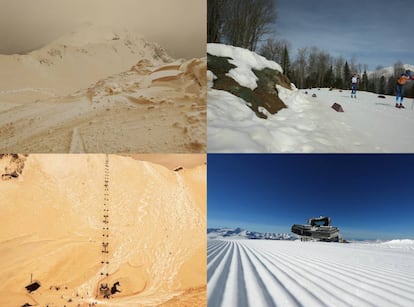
(239, 233)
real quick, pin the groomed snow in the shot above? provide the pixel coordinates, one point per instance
(293, 273)
(369, 124)
(245, 61)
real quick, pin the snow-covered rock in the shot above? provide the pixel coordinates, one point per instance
(247, 75)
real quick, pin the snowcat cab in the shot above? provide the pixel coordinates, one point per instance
(318, 229)
(320, 221)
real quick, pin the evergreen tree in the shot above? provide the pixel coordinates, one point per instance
(381, 86)
(371, 86)
(411, 95)
(364, 81)
(286, 61)
(339, 83)
(347, 76)
(328, 79)
(390, 87)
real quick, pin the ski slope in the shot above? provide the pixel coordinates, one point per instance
(293, 273)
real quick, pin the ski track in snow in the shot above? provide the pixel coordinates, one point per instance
(292, 273)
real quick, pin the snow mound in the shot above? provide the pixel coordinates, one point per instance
(404, 244)
(244, 60)
(400, 242)
(146, 82)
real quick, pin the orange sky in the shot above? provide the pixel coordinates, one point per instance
(178, 25)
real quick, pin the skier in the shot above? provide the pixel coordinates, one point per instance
(354, 82)
(399, 87)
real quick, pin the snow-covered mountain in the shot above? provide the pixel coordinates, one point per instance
(238, 233)
(79, 58)
(388, 71)
(81, 86)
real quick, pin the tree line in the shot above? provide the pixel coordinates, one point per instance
(313, 67)
(245, 23)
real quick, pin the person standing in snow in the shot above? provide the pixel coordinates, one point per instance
(354, 82)
(401, 81)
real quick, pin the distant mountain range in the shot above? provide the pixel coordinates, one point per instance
(238, 233)
(388, 71)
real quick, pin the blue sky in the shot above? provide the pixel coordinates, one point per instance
(375, 32)
(366, 196)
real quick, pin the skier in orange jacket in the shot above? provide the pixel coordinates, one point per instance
(401, 81)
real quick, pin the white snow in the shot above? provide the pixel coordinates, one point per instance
(245, 61)
(400, 242)
(388, 71)
(404, 244)
(210, 78)
(294, 273)
(368, 124)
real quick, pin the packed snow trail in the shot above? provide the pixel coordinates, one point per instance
(292, 273)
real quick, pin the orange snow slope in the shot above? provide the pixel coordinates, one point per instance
(132, 112)
(54, 209)
(102, 90)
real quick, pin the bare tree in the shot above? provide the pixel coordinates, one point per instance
(301, 64)
(324, 63)
(273, 49)
(339, 63)
(214, 20)
(353, 65)
(247, 22)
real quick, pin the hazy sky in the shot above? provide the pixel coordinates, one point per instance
(178, 25)
(366, 196)
(376, 32)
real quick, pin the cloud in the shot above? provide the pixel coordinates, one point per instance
(376, 32)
